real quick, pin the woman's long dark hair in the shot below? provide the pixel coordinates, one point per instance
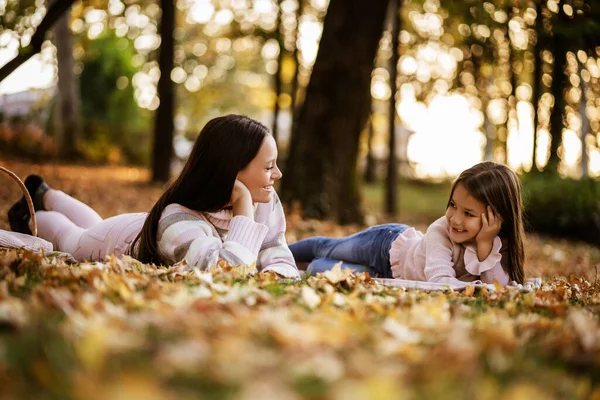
(498, 186)
(224, 147)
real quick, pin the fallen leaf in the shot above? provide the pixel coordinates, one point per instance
(337, 274)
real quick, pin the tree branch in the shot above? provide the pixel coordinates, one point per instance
(55, 11)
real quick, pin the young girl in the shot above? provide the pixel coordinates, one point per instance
(222, 206)
(480, 239)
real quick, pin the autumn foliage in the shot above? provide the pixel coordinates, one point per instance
(122, 329)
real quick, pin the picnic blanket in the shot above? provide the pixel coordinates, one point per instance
(530, 284)
(37, 245)
(16, 240)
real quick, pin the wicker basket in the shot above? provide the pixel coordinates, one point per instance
(27, 197)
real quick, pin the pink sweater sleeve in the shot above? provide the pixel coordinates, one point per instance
(247, 233)
(439, 266)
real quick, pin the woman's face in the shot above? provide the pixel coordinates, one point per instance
(262, 172)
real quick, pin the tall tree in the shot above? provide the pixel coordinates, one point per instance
(277, 78)
(294, 89)
(576, 31)
(370, 161)
(585, 122)
(321, 172)
(391, 193)
(164, 126)
(69, 120)
(537, 75)
(511, 70)
(559, 83)
(481, 82)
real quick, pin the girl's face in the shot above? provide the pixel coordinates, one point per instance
(262, 172)
(464, 215)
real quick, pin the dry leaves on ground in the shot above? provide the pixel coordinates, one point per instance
(98, 330)
(121, 329)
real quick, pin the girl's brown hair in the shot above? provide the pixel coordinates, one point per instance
(498, 186)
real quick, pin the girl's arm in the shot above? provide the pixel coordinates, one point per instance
(182, 235)
(275, 254)
(489, 269)
(439, 266)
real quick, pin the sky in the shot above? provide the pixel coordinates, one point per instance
(35, 73)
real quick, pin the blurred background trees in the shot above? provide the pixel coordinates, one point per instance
(454, 82)
(321, 170)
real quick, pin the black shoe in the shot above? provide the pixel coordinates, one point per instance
(37, 188)
(18, 217)
(18, 214)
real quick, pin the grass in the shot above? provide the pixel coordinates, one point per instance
(417, 201)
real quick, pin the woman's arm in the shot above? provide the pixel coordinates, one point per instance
(183, 235)
(275, 254)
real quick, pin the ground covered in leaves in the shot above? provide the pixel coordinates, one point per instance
(121, 329)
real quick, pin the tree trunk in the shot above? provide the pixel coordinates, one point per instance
(391, 193)
(490, 136)
(500, 133)
(321, 172)
(537, 78)
(513, 101)
(163, 127)
(279, 38)
(69, 120)
(585, 125)
(294, 94)
(559, 83)
(370, 162)
(488, 127)
(56, 9)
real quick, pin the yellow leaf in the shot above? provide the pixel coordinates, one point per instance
(92, 347)
(336, 274)
(469, 290)
(498, 286)
(44, 375)
(310, 297)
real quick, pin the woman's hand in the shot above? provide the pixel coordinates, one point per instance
(241, 200)
(490, 227)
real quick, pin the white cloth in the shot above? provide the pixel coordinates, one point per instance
(16, 240)
(530, 284)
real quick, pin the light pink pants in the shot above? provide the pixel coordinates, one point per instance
(73, 227)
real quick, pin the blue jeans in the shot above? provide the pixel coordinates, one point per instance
(365, 251)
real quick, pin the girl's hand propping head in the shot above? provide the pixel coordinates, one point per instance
(490, 226)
